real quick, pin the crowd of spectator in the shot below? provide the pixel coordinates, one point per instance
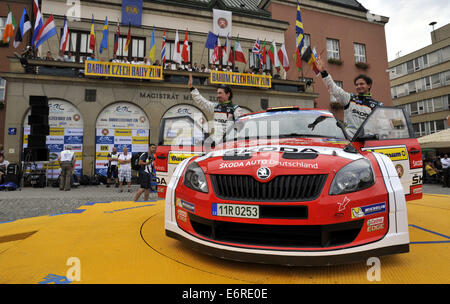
(172, 66)
(436, 170)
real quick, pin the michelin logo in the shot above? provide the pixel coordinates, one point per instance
(368, 210)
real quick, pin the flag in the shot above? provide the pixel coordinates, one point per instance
(309, 57)
(238, 53)
(47, 30)
(300, 38)
(176, 56)
(228, 51)
(257, 50)
(64, 36)
(211, 41)
(38, 21)
(163, 49)
(217, 54)
(8, 32)
(24, 26)
(283, 57)
(273, 55)
(263, 53)
(185, 51)
(127, 43)
(104, 43)
(116, 38)
(152, 52)
(92, 36)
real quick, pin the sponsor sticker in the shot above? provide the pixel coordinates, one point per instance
(186, 205)
(368, 210)
(393, 153)
(182, 215)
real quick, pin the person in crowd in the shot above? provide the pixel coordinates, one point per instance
(125, 60)
(115, 59)
(356, 106)
(135, 61)
(204, 69)
(146, 61)
(92, 57)
(125, 169)
(195, 67)
(446, 170)
(147, 173)
(3, 167)
(67, 161)
(113, 164)
(49, 56)
(69, 57)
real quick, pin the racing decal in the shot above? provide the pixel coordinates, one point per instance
(269, 162)
(186, 205)
(176, 158)
(342, 205)
(375, 224)
(278, 148)
(359, 212)
(394, 154)
(400, 170)
(181, 215)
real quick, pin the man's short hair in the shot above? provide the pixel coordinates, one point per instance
(366, 78)
(226, 89)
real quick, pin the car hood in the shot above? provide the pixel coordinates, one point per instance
(282, 157)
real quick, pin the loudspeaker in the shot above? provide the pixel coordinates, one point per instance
(38, 120)
(38, 129)
(35, 154)
(38, 101)
(37, 180)
(37, 141)
(40, 110)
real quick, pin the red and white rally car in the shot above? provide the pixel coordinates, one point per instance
(288, 187)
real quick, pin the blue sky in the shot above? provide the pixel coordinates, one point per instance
(408, 28)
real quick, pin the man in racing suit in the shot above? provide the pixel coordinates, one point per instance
(356, 107)
(225, 112)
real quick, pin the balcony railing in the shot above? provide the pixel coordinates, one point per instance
(72, 69)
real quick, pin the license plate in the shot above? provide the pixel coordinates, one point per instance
(234, 210)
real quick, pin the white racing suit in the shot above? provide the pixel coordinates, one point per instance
(356, 107)
(224, 114)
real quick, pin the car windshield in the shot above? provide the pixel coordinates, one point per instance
(284, 124)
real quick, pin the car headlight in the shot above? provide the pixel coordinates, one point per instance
(353, 177)
(195, 179)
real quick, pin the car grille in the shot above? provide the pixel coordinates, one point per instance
(317, 236)
(281, 188)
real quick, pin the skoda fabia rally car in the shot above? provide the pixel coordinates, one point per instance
(286, 186)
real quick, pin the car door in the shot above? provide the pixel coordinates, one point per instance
(388, 130)
(179, 138)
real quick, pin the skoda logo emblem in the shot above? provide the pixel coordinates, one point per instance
(263, 173)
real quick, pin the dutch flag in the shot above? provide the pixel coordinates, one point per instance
(47, 31)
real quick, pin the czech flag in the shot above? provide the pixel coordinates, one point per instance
(38, 21)
(64, 36)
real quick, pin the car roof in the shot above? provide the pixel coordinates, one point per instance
(284, 109)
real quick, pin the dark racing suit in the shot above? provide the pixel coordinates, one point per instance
(356, 107)
(224, 114)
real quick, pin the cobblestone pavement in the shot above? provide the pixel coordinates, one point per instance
(31, 202)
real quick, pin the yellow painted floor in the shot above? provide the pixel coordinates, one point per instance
(125, 242)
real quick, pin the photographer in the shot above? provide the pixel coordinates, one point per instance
(113, 167)
(147, 173)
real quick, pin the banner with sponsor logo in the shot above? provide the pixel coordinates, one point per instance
(123, 70)
(120, 125)
(66, 128)
(241, 79)
(222, 22)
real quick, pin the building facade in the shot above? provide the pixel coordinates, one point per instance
(349, 40)
(420, 83)
(96, 113)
